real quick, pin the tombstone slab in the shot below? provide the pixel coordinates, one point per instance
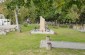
(63, 44)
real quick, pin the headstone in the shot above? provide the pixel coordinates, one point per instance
(48, 43)
(4, 21)
(5, 25)
(43, 29)
(49, 46)
(28, 21)
(42, 24)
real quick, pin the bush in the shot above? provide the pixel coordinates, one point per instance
(25, 24)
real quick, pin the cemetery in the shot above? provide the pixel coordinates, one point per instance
(24, 42)
(42, 27)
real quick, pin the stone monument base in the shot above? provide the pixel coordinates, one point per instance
(37, 31)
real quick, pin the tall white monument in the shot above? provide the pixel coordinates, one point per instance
(42, 24)
(42, 29)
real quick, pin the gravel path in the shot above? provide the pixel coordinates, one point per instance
(62, 44)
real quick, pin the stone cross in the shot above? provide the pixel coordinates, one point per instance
(42, 24)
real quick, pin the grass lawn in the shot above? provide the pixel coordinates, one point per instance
(24, 43)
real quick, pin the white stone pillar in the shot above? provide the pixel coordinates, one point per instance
(42, 24)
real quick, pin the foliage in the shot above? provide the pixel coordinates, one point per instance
(82, 15)
(50, 9)
(72, 13)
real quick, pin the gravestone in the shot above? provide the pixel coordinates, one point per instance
(5, 25)
(4, 21)
(42, 24)
(79, 28)
(42, 29)
(48, 43)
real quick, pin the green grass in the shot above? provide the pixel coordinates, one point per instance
(24, 43)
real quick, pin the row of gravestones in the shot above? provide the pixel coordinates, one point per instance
(51, 23)
(43, 30)
(79, 28)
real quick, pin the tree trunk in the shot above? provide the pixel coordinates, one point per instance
(16, 17)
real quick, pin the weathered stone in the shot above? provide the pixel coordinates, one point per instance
(2, 32)
(49, 46)
(42, 24)
(43, 29)
(62, 44)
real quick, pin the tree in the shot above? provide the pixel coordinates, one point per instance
(72, 13)
(82, 16)
(49, 9)
(13, 5)
(32, 11)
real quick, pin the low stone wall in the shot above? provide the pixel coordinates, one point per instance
(2, 32)
(5, 29)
